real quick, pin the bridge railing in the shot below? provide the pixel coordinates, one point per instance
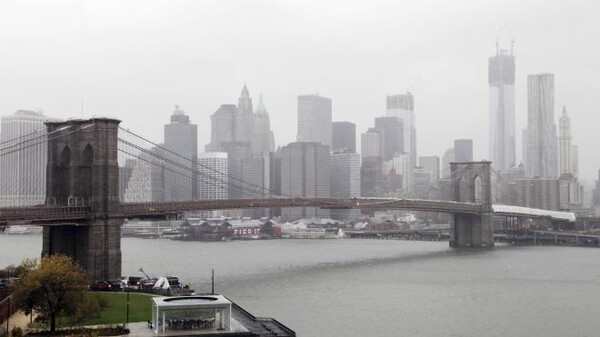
(43, 212)
(158, 208)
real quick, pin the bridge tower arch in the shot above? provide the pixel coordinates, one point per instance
(472, 182)
(82, 171)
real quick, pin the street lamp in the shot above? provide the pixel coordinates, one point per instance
(127, 314)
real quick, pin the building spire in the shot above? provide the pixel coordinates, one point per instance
(245, 92)
(260, 107)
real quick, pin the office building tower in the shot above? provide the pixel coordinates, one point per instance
(575, 160)
(371, 177)
(596, 196)
(371, 144)
(564, 143)
(403, 165)
(147, 178)
(541, 157)
(422, 183)
(263, 140)
(305, 169)
(314, 119)
(244, 121)
(343, 136)
(275, 171)
(463, 150)
(431, 164)
(391, 130)
(253, 176)
(345, 180)
(402, 106)
(222, 124)
(256, 182)
(501, 78)
(447, 158)
(236, 151)
(23, 170)
(125, 172)
(181, 139)
(213, 180)
(542, 193)
(275, 178)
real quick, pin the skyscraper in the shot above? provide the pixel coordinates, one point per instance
(371, 169)
(213, 180)
(23, 172)
(181, 137)
(402, 106)
(345, 180)
(244, 122)
(343, 136)
(314, 119)
(256, 180)
(371, 177)
(222, 124)
(447, 158)
(463, 150)
(253, 175)
(422, 182)
(541, 157)
(501, 78)
(431, 164)
(575, 160)
(391, 130)
(370, 144)
(147, 178)
(345, 174)
(305, 169)
(262, 141)
(236, 151)
(403, 165)
(564, 142)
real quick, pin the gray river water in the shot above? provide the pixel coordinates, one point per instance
(380, 287)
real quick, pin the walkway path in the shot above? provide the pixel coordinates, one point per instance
(18, 319)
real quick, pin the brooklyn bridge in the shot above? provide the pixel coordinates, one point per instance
(82, 213)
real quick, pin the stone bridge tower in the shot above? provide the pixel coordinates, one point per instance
(83, 171)
(472, 182)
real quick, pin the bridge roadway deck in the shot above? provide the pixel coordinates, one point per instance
(46, 214)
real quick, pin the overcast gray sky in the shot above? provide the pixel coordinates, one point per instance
(136, 59)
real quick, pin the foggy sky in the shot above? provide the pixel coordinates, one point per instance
(135, 60)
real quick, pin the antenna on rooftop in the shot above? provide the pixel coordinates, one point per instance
(411, 89)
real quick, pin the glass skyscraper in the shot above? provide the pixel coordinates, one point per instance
(501, 78)
(541, 148)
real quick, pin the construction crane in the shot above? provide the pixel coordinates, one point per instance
(143, 272)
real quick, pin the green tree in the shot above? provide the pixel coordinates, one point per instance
(54, 286)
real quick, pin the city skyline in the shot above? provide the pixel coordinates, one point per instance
(444, 67)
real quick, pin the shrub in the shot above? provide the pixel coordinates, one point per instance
(16, 332)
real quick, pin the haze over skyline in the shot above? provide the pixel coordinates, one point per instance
(136, 60)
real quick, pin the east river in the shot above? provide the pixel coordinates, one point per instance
(380, 287)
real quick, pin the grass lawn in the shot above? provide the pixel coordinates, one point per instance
(116, 310)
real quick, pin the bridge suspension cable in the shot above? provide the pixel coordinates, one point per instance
(233, 181)
(219, 183)
(218, 177)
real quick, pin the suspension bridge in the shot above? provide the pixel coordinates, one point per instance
(97, 174)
